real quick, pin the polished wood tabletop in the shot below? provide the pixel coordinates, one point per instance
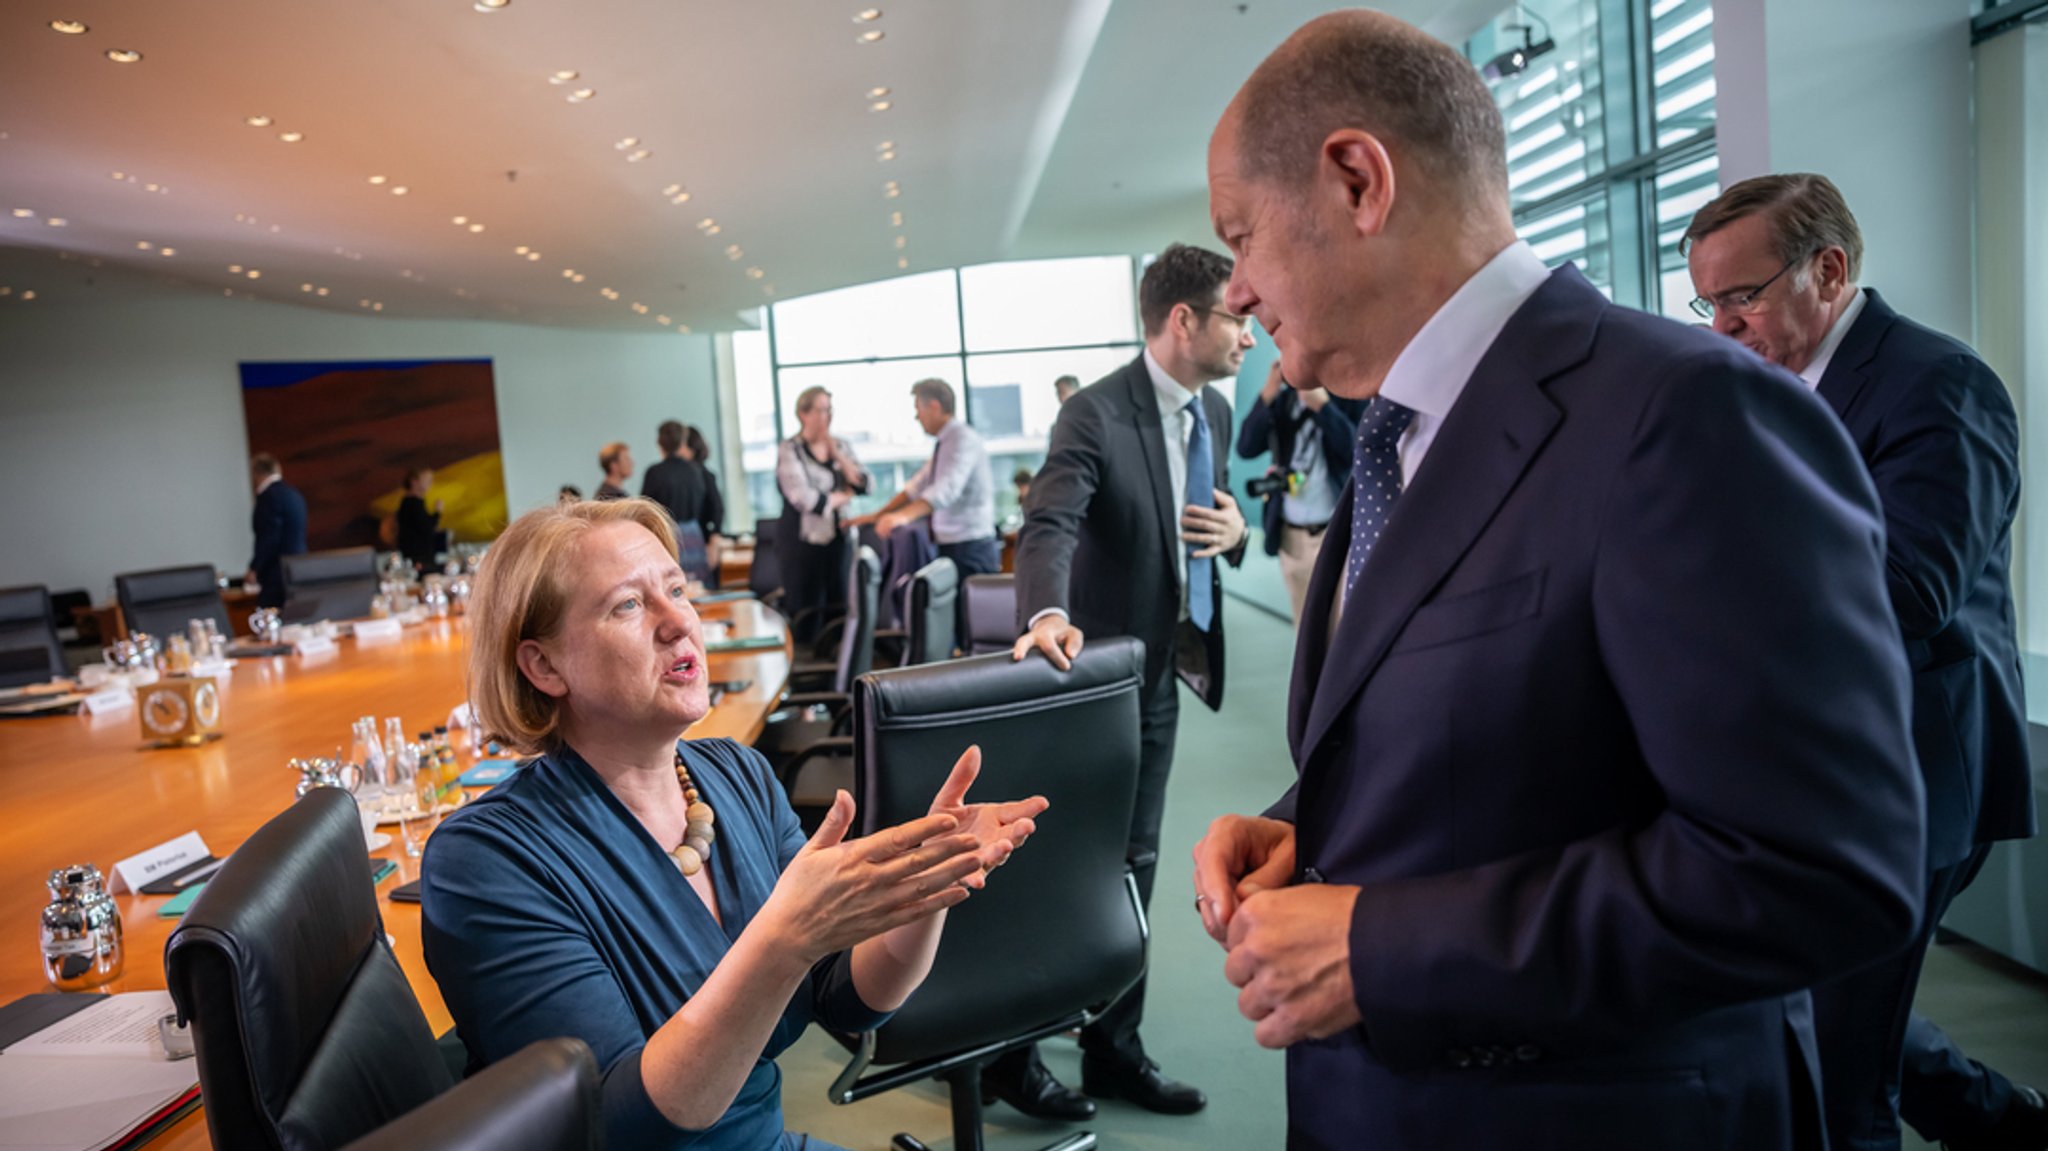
(85, 789)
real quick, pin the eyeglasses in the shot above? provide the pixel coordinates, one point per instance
(1743, 302)
(1231, 318)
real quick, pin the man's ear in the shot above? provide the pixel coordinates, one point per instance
(539, 670)
(1833, 273)
(1356, 170)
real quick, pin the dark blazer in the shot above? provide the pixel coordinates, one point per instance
(1938, 432)
(1270, 428)
(419, 532)
(678, 485)
(1613, 735)
(279, 522)
(1098, 538)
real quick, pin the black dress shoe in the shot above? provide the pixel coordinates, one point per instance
(1140, 1082)
(2023, 1126)
(1036, 1093)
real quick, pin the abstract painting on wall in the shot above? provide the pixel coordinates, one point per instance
(346, 434)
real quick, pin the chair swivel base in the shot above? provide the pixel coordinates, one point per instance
(964, 1082)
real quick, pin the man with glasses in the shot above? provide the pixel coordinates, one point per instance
(1121, 535)
(1775, 261)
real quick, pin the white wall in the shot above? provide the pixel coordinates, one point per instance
(122, 443)
(1875, 95)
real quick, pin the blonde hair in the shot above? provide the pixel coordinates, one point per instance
(519, 594)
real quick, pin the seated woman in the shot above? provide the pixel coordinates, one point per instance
(654, 897)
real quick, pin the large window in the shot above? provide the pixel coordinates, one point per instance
(1609, 109)
(999, 333)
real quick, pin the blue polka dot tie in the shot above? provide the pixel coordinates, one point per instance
(1375, 480)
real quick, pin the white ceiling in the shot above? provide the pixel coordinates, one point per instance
(1020, 128)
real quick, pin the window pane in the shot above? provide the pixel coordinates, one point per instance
(754, 385)
(1577, 234)
(907, 316)
(1049, 303)
(872, 411)
(1681, 68)
(1549, 102)
(1680, 193)
(1012, 399)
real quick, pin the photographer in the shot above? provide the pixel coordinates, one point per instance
(1309, 435)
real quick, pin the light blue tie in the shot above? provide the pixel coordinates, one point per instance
(1375, 480)
(1201, 494)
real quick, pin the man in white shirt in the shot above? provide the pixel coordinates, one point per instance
(1775, 260)
(955, 487)
(1121, 535)
(1603, 760)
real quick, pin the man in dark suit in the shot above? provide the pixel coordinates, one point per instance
(1775, 261)
(279, 522)
(677, 482)
(1121, 535)
(1599, 716)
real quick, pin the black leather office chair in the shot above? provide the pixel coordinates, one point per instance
(308, 1035)
(991, 613)
(337, 584)
(804, 737)
(933, 625)
(544, 1098)
(161, 602)
(29, 650)
(764, 575)
(1058, 933)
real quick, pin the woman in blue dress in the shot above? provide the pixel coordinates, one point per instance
(653, 897)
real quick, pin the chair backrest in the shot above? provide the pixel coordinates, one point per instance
(764, 577)
(1058, 928)
(991, 613)
(693, 555)
(162, 601)
(29, 649)
(932, 626)
(857, 639)
(308, 1035)
(336, 584)
(543, 1098)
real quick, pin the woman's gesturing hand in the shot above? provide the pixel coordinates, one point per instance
(836, 893)
(1001, 828)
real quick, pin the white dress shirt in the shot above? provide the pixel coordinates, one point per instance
(962, 494)
(1818, 366)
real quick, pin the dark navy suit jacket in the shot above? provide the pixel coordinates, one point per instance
(1613, 736)
(279, 522)
(1938, 432)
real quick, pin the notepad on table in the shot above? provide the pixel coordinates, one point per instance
(92, 1074)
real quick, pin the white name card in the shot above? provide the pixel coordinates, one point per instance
(313, 643)
(164, 859)
(112, 699)
(374, 630)
(212, 668)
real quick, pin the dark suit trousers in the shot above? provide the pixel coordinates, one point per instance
(1879, 1060)
(815, 578)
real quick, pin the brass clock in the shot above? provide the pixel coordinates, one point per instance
(179, 711)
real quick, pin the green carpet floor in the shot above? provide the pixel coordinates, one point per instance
(1237, 761)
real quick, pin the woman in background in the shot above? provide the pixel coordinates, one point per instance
(819, 476)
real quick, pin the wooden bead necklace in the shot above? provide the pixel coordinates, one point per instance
(691, 854)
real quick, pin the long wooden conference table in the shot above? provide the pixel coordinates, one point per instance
(84, 789)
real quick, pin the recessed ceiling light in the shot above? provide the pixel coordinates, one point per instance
(533, 255)
(640, 308)
(150, 188)
(867, 15)
(56, 221)
(376, 179)
(24, 213)
(568, 273)
(118, 175)
(254, 274)
(167, 251)
(901, 241)
(378, 306)
(683, 329)
(891, 191)
(291, 137)
(476, 227)
(68, 27)
(877, 93)
(144, 245)
(581, 94)
(461, 220)
(662, 320)
(886, 146)
(398, 189)
(305, 287)
(5, 290)
(580, 277)
(707, 223)
(880, 106)
(885, 157)
(626, 143)
(257, 121)
(902, 262)
(713, 230)
(563, 76)
(522, 249)
(235, 268)
(635, 157)
(870, 36)
(733, 252)
(491, 5)
(755, 273)
(607, 293)
(672, 189)
(680, 198)
(28, 294)
(895, 219)
(123, 55)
